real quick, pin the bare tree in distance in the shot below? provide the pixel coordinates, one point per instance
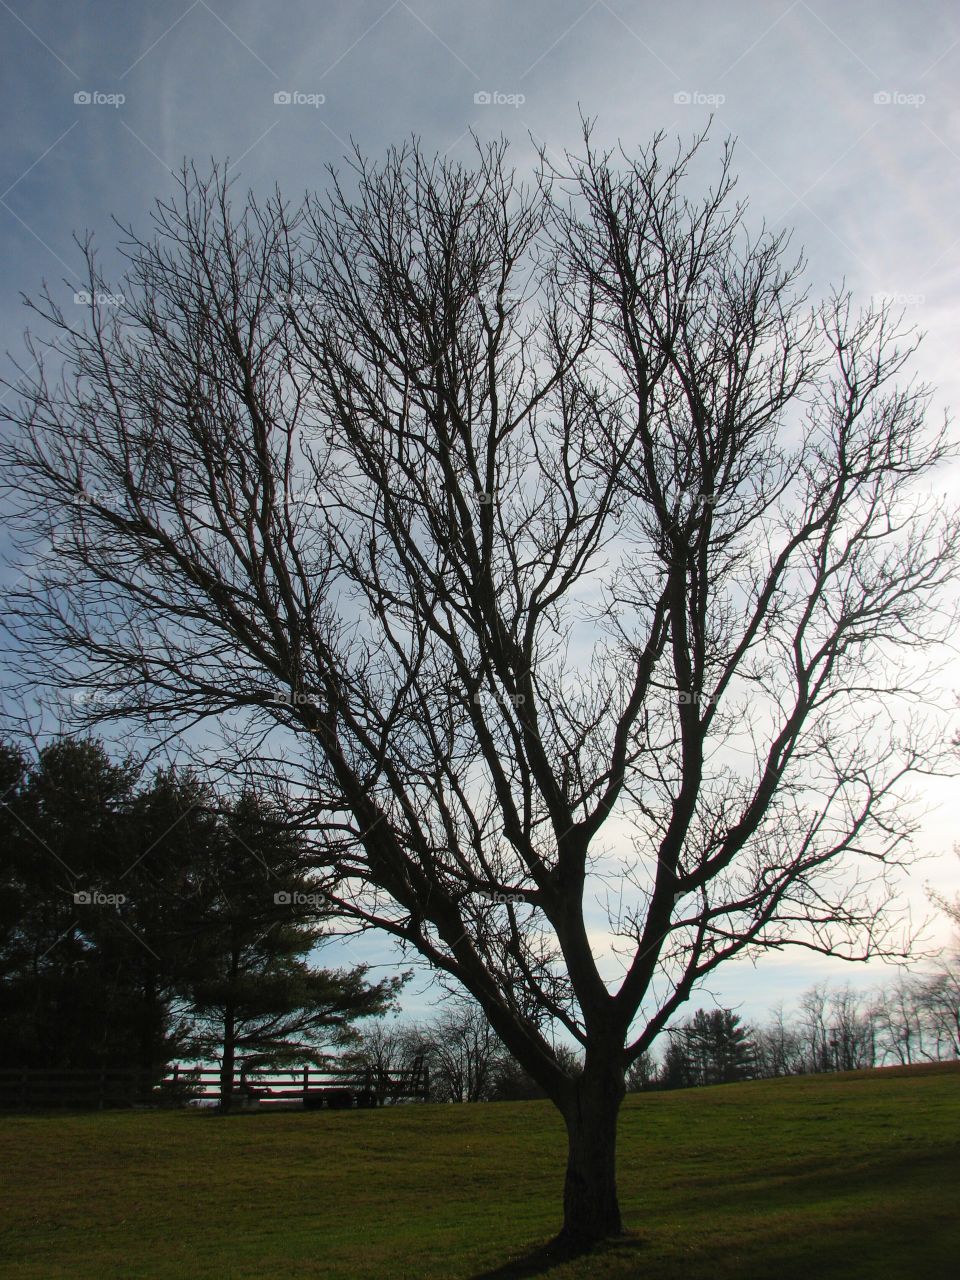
(940, 992)
(548, 540)
(464, 1052)
(780, 1048)
(900, 1016)
(384, 1052)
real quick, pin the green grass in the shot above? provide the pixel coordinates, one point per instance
(825, 1176)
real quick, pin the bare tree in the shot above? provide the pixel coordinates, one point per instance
(899, 1020)
(384, 1053)
(940, 1004)
(464, 1052)
(852, 1031)
(780, 1048)
(918, 1015)
(642, 1074)
(836, 1030)
(547, 540)
(941, 995)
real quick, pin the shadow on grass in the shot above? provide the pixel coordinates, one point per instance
(888, 1216)
(819, 1180)
(543, 1260)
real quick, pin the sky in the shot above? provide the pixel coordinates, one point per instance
(847, 120)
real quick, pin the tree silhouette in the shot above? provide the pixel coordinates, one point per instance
(709, 1048)
(545, 537)
(256, 917)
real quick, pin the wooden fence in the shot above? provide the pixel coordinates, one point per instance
(310, 1086)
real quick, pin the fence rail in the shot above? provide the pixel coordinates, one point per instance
(310, 1086)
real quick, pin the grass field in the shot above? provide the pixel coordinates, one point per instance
(827, 1176)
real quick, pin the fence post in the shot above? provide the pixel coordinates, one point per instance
(306, 1083)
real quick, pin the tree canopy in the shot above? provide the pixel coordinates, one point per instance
(545, 536)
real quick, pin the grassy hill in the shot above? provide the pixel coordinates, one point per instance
(852, 1175)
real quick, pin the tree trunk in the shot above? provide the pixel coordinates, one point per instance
(150, 1031)
(591, 1210)
(227, 1060)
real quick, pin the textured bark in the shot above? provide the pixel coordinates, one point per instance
(591, 1210)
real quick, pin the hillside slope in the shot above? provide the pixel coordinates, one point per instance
(851, 1175)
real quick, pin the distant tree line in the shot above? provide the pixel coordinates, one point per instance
(149, 918)
(466, 1060)
(916, 1018)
